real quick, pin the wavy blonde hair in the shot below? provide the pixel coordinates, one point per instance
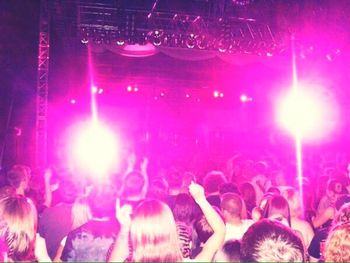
(338, 244)
(153, 234)
(20, 216)
(81, 212)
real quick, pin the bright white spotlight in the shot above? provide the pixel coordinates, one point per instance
(307, 113)
(94, 89)
(216, 94)
(94, 149)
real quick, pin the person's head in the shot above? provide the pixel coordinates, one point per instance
(293, 199)
(101, 201)
(271, 241)
(67, 191)
(133, 184)
(274, 190)
(158, 189)
(277, 208)
(153, 233)
(212, 181)
(338, 244)
(342, 200)
(19, 177)
(229, 252)
(248, 193)
(231, 206)
(334, 189)
(343, 215)
(81, 212)
(175, 179)
(183, 208)
(228, 188)
(20, 216)
(260, 168)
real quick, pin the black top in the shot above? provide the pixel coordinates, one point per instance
(54, 224)
(90, 242)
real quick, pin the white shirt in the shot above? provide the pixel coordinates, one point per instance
(237, 231)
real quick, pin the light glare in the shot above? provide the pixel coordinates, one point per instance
(307, 113)
(94, 149)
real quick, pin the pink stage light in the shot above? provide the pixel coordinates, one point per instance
(73, 101)
(243, 98)
(129, 88)
(94, 89)
(136, 89)
(307, 113)
(94, 149)
(216, 94)
(100, 91)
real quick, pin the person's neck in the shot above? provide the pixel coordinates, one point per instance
(234, 221)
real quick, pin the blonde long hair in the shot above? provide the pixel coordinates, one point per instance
(153, 234)
(20, 216)
(81, 212)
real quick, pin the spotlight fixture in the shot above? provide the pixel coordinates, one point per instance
(120, 40)
(191, 41)
(156, 37)
(202, 42)
(242, 2)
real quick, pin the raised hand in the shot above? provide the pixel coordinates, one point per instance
(123, 214)
(196, 191)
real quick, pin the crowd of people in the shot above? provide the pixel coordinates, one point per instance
(247, 211)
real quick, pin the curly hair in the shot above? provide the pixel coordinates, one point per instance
(338, 244)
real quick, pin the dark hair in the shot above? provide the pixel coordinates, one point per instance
(133, 184)
(18, 174)
(212, 181)
(248, 195)
(68, 191)
(271, 241)
(102, 201)
(230, 252)
(228, 188)
(274, 190)
(183, 208)
(277, 205)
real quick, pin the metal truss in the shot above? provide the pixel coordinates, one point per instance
(42, 86)
(205, 29)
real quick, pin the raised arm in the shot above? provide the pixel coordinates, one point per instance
(322, 218)
(143, 169)
(48, 192)
(120, 250)
(214, 220)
